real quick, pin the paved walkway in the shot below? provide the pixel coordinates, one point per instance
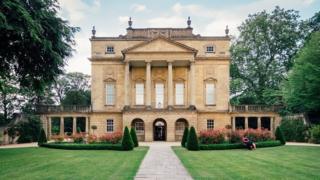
(301, 144)
(24, 145)
(161, 163)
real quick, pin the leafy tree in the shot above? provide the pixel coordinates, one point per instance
(192, 142)
(294, 129)
(134, 137)
(127, 143)
(184, 137)
(35, 42)
(77, 98)
(302, 90)
(315, 22)
(74, 81)
(262, 55)
(280, 136)
(42, 137)
(8, 100)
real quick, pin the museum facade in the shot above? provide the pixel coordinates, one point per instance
(159, 81)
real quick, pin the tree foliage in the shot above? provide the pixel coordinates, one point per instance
(302, 90)
(184, 137)
(127, 143)
(134, 137)
(42, 137)
(262, 55)
(34, 42)
(279, 135)
(192, 142)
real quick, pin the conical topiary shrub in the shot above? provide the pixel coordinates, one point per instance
(192, 142)
(184, 137)
(134, 137)
(127, 143)
(42, 137)
(279, 136)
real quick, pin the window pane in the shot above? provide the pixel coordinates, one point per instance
(159, 95)
(179, 93)
(210, 93)
(210, 124)
(109, 125)
(110, 93)
(139, 93)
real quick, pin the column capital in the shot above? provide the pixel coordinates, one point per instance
(147, 61)
(170, 61)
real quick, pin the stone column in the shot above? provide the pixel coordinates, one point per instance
(74, 125)
(246, 123)
(192, 84)
(61, 125)
(49, 127)
(170, 85)
(126, 84)
(271, 123)
(233, 119)
(87, 124)
(148, 85)
(259, 122)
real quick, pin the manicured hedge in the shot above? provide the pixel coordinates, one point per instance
(238, 145)
(73, 146)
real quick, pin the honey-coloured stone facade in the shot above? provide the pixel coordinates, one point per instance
(164, 56)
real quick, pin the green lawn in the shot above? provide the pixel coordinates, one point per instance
(43, 163)
(285, 162)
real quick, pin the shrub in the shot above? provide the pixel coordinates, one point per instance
(294, 129)
(92, 139)
(236, 136)
(27, 130)
(42, 137)
(72, 146)
(134, 137)
(257, 135)
(57, 138)
(78, 138)
(280, 136)
(192, 142)
(238, 145)
(111, 138)
(212, 137)
(127, 143)
(315, 134)
(184, 137)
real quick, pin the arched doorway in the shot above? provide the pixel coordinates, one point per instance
(180, 125)
(159, 130)
(138, 125)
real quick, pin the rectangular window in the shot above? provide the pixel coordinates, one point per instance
(210, 94)
(110, 125)
(110, 93)
(139, 94)
(210, 49)
(110, 50)
(210, 124)
(179, 94)
(159, 95)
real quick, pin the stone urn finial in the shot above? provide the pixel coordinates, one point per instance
(130, 23)
(227, 31)
(93, 31)
(189, 22)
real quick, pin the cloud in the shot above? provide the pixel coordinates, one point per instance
(167, 21)
(77, 10)
(123, 19)
(138, 7)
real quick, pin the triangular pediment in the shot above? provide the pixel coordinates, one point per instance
(160, 44)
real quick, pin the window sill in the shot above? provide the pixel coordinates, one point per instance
(109, 53)
(109, 105)
(210, 105)
(210, 52)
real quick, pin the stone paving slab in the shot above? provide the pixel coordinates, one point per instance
(161, 163)
(24, 145)
(301, 144)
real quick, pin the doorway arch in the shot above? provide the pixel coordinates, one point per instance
(138, 125)
(180, 125)
(159, 130)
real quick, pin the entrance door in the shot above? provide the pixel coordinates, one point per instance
(159, 130)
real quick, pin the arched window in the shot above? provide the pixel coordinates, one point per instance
(180, 125)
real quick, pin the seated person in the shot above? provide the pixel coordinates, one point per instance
(249, 144)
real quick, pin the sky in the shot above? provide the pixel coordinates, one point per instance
(209, 17)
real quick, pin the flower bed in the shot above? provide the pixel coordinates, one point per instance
(75, 146)
(238, 145)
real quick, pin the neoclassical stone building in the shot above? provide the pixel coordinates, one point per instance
(158, 80)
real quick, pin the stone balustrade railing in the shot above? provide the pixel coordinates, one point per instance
(58, 108)
(255, 108)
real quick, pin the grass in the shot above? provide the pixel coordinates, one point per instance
(285, 162)
(43, 163)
